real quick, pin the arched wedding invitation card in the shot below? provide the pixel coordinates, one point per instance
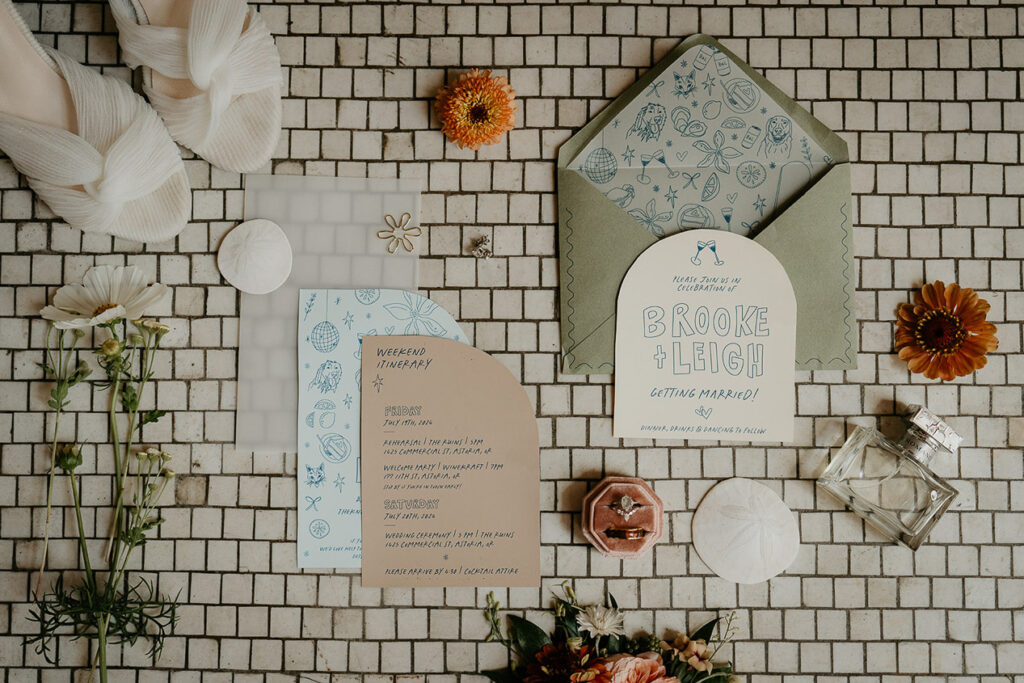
(704, 342)
(451, 467)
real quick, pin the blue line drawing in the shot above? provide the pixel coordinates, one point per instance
(751, 173)
(339, 483)
(734, 123)
(759, 205)
(778, 138)
(741, 95)
(650, 120)
(709, 83)
(671, 196)
(703, 412)
(652, 89)
(689, 179)
(717, 154)
(651, 218)
(334, 447)
(311, 503)
(681, 121)
(327, 376)
(319, 528)
(417, 312)
(601, 166)
(684, 84)
(324, 336)
(622, 195)
(711, 110)
(315, 476)
(711, 188)
(325, 404)
(628, 155)
(309, 305)
(695, 216)
(367, 297)
(704, 55)
(711, 246)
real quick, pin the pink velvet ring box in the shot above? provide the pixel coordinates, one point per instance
(603, 510)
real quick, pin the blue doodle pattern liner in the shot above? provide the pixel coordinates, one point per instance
(703, 147)
(332, 324)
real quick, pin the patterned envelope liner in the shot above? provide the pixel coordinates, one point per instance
(703, 147)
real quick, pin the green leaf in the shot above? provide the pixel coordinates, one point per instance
(53, 404)
(151, 416)
(501, 675)
(705, 632)
(614, 645)
(611, 602)
(529, 637)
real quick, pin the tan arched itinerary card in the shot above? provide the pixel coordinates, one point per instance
(450, 469)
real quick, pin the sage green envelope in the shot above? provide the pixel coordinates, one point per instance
(810, 233)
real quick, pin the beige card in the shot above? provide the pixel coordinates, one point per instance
(450, 469)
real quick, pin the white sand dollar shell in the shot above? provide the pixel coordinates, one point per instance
(255, 257)
(744, 532)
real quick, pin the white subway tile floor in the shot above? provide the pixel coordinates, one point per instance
(929, 99)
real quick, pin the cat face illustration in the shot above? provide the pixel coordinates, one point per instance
(315, 476)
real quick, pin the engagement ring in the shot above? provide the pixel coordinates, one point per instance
(626, 506)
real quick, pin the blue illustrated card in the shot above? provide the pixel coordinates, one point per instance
(332, 324)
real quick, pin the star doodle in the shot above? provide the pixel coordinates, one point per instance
(682, 64)
(759, 205)
(671, 196)
(709, 83)
(656, 188)
(615, 123)
(378, 382)
(628, 155)
(348, 319)
(764, 110)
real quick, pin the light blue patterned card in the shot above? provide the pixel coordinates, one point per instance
(332, 324)
(703, 147)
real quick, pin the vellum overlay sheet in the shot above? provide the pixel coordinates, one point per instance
(332, 326)
(451, 468)
(334, 227)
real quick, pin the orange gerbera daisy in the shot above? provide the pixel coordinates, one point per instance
(477, 109)
(944, 334)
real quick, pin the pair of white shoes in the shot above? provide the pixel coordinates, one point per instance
(104, 159)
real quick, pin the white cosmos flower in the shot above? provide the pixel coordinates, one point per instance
(601, 621)
(107, 293)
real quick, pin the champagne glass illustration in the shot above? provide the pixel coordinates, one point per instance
(695, 259)
(714, 252)
(659, 156)
(644, 160)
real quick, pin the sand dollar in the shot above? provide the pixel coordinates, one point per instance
(744, 532)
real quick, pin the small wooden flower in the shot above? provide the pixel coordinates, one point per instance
(399, 233)
(944, 334)
(477, 109)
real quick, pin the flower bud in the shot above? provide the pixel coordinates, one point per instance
(135, 339)
(68, 457)
(111, 348)
(78, 332)
(168, 474)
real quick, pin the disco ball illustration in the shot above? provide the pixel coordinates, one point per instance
(600, 166)
(324, 337)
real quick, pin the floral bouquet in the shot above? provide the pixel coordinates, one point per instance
(589, 646)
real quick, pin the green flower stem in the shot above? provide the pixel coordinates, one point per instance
(101, 646)
(83, 548)
(59, 364)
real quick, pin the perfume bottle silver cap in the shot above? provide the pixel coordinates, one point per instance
(932, 425)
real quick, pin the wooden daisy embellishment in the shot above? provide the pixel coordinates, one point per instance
(399, 233)
(944, 334)
(477, 109)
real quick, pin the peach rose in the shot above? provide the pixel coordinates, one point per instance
(643, 668)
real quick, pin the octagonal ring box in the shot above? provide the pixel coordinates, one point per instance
(601, 511)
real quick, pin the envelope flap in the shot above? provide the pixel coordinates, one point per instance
(829, 141)
(813, 242)
(599, 258)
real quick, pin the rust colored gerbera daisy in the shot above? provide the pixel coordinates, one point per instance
(944, 333)
(477, 109)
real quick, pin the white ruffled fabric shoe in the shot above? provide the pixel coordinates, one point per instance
(91, 148)
(213, 73)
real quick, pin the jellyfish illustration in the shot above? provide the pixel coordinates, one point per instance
(328, 375)
(778, 137)
(649, 122)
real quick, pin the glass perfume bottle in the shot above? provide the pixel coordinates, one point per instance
(889, 483)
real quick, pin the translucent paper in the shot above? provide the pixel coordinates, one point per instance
(333, 225)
